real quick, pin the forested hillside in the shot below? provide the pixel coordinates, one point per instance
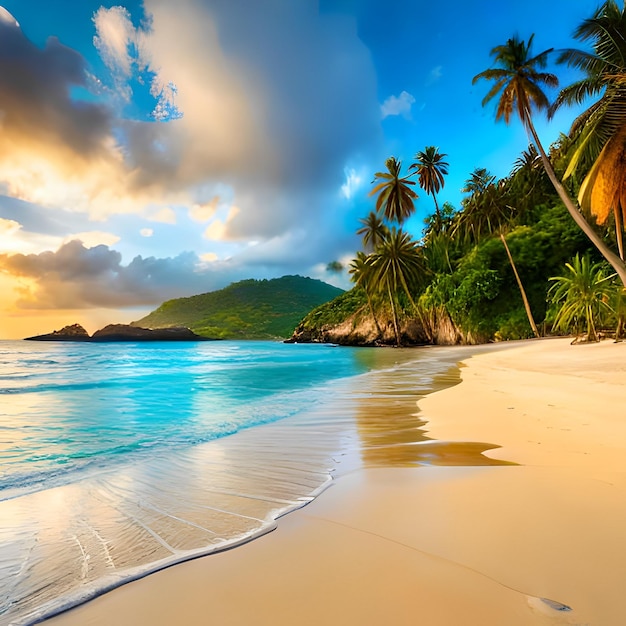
(249, 309)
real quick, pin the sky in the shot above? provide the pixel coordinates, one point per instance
(157, 149)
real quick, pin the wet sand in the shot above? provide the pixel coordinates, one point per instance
(447, 544)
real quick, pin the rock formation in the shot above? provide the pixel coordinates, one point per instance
(75, 332)
(119, 332)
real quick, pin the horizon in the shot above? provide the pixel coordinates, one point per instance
(152, 153)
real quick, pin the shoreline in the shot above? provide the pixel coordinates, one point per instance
(291, 460)
(486, 545)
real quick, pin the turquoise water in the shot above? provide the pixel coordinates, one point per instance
(66, 407)
(117, 460)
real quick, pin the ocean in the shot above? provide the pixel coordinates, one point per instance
(119, 459)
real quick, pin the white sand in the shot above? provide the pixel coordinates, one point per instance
(441, 545)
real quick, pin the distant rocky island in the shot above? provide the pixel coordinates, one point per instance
(119, 332)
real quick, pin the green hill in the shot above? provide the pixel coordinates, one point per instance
(249, 309)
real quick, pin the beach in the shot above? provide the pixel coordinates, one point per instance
(536, 538)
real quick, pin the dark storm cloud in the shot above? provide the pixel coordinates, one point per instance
(76, 277)
(35, 97)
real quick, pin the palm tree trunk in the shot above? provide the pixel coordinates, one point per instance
(394, 314)
(619, 231)
(616, 263)
(371, 306)
(437, 210)
(531, 319)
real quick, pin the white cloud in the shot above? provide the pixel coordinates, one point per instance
(146, 232)
(8, 227)
(209, 257)
(398, 105)
(353, 182)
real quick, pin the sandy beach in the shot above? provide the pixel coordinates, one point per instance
(540, 540)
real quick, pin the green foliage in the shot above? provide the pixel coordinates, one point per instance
(249, 309)
(582, 296)
(336, 311)
(481, 293)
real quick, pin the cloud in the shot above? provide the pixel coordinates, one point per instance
(146, 232)
(398, 105)
(7, 18)
(115, 38)
(274, 125)
(93, 238)
(204, 212)
(435, 74)
(8, 227)
(76, 277)
(353, 182)
(166, 215)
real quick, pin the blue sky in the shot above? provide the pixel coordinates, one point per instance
(154, 149)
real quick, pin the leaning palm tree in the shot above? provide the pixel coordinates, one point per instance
(395, 196)
(600, 131)
(373, 231)
(431, 169)
(583, 296)
(397, 264)
(519, 81)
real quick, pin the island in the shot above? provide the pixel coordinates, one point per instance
(119, 332)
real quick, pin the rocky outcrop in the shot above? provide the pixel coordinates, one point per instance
(75, 332)
(125, 332)
(436, 328)
(119, 332)
(360, 331)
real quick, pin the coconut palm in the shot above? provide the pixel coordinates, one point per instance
(600, 131)
(583, 295)
(360, 271)
(397, 264)
(519, 81)
(431, 169)
(374, 231)
(395, 196)
(529, 314)
(478, 181)
(485, 211)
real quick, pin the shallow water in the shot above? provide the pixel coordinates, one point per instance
(121, 459)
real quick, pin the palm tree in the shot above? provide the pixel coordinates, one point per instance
(395, 196)
(519, 83)
(374, 230)
(431, 168)
(529, 314)
(583, 295)
(478, 181)
(600, 131)
(485, 211)
(397, 264)
(361, 274)
(526, 178)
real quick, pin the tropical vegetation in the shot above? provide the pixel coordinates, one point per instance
(538, 251)
(248, 309)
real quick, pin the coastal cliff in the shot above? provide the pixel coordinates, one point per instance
(347, 320)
